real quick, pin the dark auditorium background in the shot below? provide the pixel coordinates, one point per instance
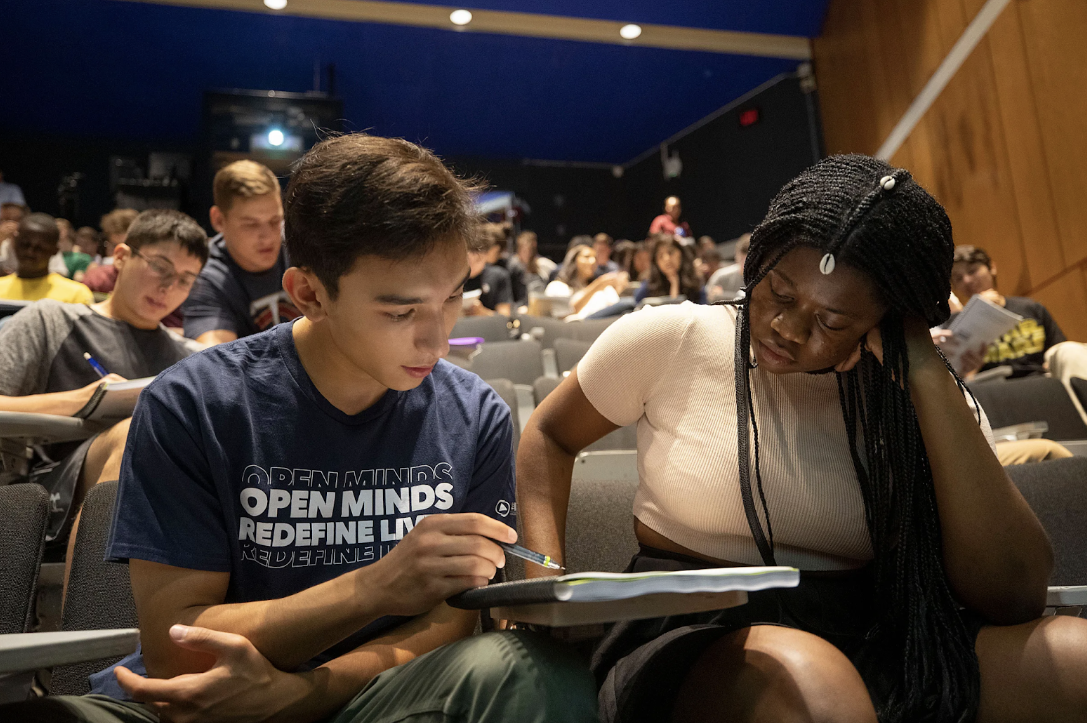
(576, 129)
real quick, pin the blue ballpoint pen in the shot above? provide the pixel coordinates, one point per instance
(526, 554)
(95, 365)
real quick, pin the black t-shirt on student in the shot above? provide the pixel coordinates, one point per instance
(1023, 348)
(227, 297)
(495, 284)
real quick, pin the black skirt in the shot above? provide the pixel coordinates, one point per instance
(641, 664)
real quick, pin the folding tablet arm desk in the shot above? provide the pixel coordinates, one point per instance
(21, 431)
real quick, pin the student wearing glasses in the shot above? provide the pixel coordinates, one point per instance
(43, 370)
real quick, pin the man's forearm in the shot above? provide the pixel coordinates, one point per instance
(287, 631)
(291, 630)
(60, 403)
(334, 684)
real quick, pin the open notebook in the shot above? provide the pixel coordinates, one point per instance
(113, 401)
(595, 597)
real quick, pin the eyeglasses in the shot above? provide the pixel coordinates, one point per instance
(164, 270)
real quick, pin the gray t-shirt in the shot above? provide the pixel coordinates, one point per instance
(725, 283)
(42, 346)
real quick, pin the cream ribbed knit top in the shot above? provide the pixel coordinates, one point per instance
(670, 369)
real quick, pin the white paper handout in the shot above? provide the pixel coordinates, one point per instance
(981, 322)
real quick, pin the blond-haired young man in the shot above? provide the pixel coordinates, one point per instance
(240, 291)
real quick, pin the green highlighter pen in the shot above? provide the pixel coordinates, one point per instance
(526, 554)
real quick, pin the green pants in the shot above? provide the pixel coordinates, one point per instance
(505, 677)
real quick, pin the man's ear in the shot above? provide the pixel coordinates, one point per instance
(218, 219)
(307, 292)
(852, 360)
(121, 254)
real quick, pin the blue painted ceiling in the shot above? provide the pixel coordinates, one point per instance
(105, 68)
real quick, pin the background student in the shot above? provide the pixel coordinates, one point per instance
(669, 222)
(577, 280)
(240, 290)
(33, 246)
(672, 272)
(528, 270)
(1023, 349)
(491, 280)
(42, 368)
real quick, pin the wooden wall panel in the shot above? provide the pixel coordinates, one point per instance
(1062, 298)
(1004, 147)
(1026, 154)
(1054, 32)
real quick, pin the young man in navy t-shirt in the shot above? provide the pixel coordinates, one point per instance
(296, 506)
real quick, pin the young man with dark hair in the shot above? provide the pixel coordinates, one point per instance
(492, 281)
(298, 504)
(42, 368)
(34, 244)
(240, 291)
(1024, 347)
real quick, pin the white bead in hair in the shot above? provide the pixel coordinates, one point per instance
(887, 183)
(827, 264)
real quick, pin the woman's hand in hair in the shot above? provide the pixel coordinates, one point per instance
(919, 341)
(871, 341)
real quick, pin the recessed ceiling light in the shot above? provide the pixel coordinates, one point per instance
(460, 17)
(630, 32)
(275, 4)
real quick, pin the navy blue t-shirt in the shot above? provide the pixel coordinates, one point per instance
(227, 297)
(236, 463)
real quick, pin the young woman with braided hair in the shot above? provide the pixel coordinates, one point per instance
(813, 423)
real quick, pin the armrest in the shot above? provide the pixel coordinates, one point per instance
(1060, 596)
(550, 363)
(1078, 447)
(45, 428)
(1001, 372)
(620, 464)
(33, 651)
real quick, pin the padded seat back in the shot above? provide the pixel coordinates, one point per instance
(490, 328)
(582, 330)
(1057, 492)
(600, 525)
(24, 515)
(544, 386)
(505, 389)
(518, 361)
(568, 352)
(1031, 399)
(622, 438)
(99, 593)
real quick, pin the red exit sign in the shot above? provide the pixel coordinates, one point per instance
(749, 117)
